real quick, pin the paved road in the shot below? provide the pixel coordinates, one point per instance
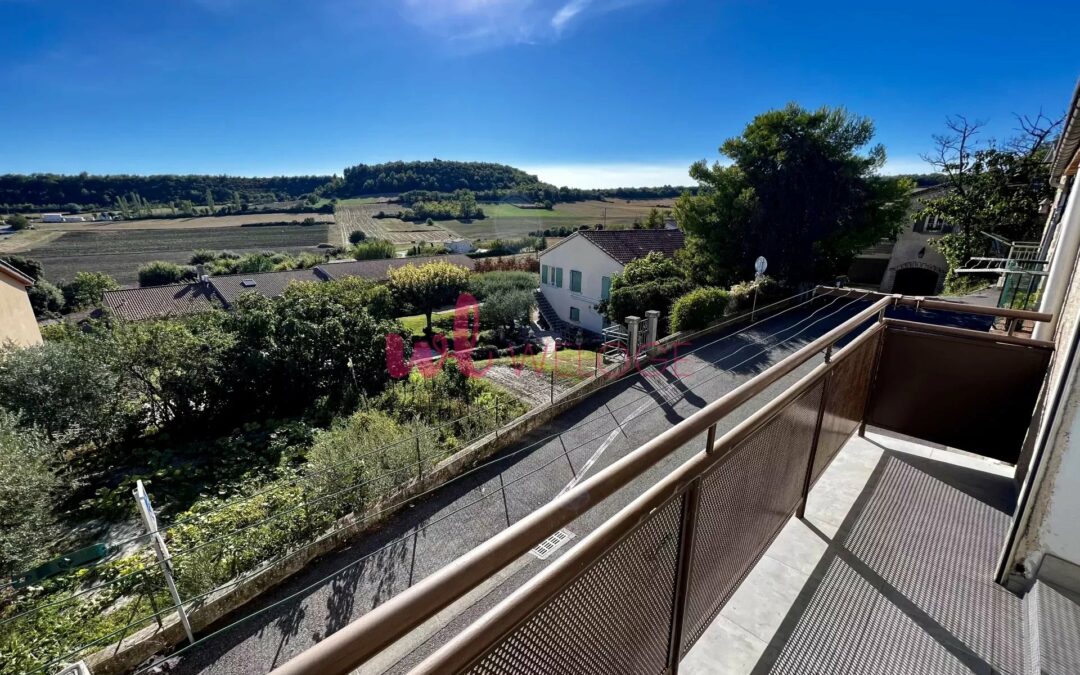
(451, 521)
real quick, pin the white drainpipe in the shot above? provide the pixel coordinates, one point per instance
(1062, 265)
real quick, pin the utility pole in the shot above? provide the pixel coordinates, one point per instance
(146, 509)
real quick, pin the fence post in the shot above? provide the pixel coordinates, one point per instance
(146, 509)
(553, 382)
(652, 318)
(800, 511)
(419, 460)
(496, 417)
(687, 526)
(873, 376)
(632, 338)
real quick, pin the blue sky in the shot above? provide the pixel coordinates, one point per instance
(583, 92)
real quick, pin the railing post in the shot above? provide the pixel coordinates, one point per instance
(800, 510)
(652, 326)
(419, 460)
(687, 526)
(632, 338)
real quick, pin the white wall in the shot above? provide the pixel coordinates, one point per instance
(1051, 521)
(577, 253)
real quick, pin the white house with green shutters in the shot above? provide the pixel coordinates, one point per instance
(576, 273)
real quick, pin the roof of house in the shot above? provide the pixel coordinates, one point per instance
(269, 284)
(626, 245)
(135, 304)
(378, 270)
(9, 271)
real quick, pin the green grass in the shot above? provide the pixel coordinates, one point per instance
(416, 323)
(511, 211)
(356, 201)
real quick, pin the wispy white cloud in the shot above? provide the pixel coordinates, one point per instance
(566, 13)
(616, 174)
(483, 24)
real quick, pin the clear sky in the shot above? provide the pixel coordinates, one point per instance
(584, 92)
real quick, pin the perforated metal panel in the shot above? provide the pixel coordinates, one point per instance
(615, 618)
(845, 403)
(744, 502)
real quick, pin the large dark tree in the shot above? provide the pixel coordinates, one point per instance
(802, 190)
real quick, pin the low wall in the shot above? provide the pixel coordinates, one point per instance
(124, 656)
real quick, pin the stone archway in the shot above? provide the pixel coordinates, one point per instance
(916, 281)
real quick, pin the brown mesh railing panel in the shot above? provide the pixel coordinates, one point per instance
(744, 503)
(845, 402)
(614, 618)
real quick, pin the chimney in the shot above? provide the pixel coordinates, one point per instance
(200, 272)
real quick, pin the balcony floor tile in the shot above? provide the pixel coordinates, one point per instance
(890, 572)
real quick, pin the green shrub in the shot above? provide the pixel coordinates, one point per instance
(742, 294)
(373, 249)
(87, 290)
(28, 491)
(490, 283)
(160, 272)
(699, 308)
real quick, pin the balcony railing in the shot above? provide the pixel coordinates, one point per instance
(636, 593)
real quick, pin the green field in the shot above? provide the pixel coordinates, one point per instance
(119, 253)
(511, 211)
(507, 221)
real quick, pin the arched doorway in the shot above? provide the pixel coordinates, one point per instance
(915, 281)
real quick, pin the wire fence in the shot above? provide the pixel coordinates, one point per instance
(230, 542)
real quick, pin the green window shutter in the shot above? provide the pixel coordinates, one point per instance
(543, 274)
(605, 288)
(575, 281)
(575, 314)
(558, 277)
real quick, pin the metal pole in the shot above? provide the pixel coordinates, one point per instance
(800, 511)
(753, 307)
(496, 417)
(553, 381)
(146, 509)
(419, 460)
(687, 526)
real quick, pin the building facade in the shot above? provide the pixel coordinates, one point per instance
(909, 265)
(576, 273)
(18, 325)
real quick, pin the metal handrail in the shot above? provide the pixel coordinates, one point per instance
(930, 303)
(462, 651)
(356, 643)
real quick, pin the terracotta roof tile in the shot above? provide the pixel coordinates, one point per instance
(627, 245)
(135, 304)
(269, 284)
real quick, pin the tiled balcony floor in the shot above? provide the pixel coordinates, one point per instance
(890, 572)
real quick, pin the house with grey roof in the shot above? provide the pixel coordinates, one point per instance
(221, 292)
(576, 273)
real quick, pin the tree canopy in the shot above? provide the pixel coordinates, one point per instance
(652, 282)
(800, 191)
(428, 287)
(992, 188)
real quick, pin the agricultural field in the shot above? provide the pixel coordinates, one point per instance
(196, 222)
(120, 252)
(362, 217)
(508, 221)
